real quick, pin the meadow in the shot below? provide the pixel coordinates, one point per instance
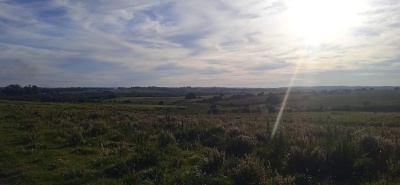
(323, 138)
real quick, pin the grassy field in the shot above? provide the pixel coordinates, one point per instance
(178, 143)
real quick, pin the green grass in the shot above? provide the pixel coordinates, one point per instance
(112, 143)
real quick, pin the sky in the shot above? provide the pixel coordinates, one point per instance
(241, 43)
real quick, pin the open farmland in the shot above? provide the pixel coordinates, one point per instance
(177, 142)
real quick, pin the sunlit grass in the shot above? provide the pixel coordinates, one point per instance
(111, 144)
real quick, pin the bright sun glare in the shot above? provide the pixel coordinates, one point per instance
(316, 20)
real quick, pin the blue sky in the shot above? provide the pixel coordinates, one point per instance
(244, 43)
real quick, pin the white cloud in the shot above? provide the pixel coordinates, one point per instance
(138, 36)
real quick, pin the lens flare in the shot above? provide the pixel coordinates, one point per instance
(287, 93)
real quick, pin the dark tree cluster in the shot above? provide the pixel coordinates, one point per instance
(17, 90)
(273, 99)
(34, 93)
(241, 96)
(190, 96)
(78, 97)
(215, 99)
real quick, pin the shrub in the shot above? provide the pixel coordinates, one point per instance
(165, 139)
(190, 135)
(190, 96)
(393, 170)
(250, 172)
(144, 158)
(369, 162)
(240, 145)
(214, 137)
(212, 161)
(95, 128)
(370, 146)
(308, 161)
(272, 99)
(341, 161)
(279, 146)
(75, 137)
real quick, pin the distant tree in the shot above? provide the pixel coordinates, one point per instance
(35, 89)
(190, 96)
(161, 102)
(28, 89)
(14, 90)
(260, 94)
(397, 88)
(272, 99)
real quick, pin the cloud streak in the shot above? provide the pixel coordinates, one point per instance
(179, 43)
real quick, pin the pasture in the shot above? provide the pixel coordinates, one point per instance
(144, 142)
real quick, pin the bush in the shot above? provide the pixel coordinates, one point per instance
(144, 158)
(240, 145)
(310, 162)
(75, 137)
(190, 96)
(165, 139)
(190, 135)
(214, 137)
(370, 146)
(393, 170)
(341, 161)
(250, 172)
(272, 99)
(95, 128)
(212, 161)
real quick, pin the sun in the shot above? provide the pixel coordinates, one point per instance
(316, 20)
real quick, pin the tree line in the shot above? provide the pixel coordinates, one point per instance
(18, 90)
(35, 93)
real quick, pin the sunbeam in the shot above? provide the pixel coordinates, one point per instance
(287, 93)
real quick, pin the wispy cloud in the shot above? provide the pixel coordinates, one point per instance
(178, 43)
